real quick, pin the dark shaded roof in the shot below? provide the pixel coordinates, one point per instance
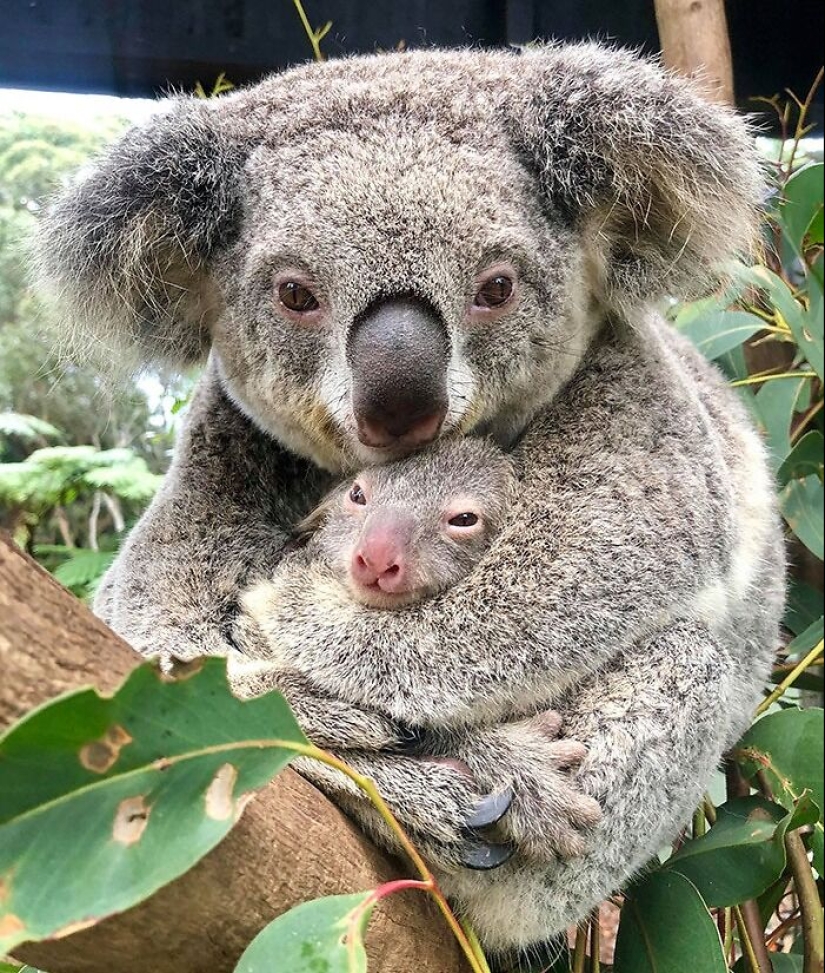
(143, 47)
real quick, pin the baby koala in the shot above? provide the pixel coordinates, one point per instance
(383, 540)
(399, 533)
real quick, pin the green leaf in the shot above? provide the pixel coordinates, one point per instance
(126, 792)
(321, 936)
(26, 427)
(801, 503)
(743, 854)
(804, 606)
(807, 458)
(782, 963)
(776, 403)
(715, 333)
(788, 748)
(806, 640)
(802, 207)
(83, 566)
(666, 928)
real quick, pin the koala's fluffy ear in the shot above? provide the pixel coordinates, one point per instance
(124, 253)
(664, 184)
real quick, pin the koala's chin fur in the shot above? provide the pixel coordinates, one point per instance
(638, 586)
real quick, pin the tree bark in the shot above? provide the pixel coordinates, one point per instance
(291, 844)
(695, 42)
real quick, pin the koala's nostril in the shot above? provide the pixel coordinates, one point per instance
(409, 430)
(425, 430)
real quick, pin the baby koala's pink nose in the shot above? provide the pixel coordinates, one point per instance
(380, 560)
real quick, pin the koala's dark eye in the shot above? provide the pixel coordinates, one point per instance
(357, 495)
(494, 292)
(463, 520)
(295, 297)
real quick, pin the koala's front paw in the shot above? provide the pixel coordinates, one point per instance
(435, 800)
(550, 816)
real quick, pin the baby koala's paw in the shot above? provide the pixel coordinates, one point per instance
(551, 816)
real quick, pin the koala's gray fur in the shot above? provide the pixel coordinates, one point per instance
(637, 584)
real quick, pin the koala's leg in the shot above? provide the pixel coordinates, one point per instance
(654, 726)
(219, 521)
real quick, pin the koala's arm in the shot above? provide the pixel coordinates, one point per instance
(655, 724)
(220, 519)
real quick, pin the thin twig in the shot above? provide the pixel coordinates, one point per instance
(759, 379)
(813, 930)
(810, 659)
(580, 951)
(804, 108)
(595, 943)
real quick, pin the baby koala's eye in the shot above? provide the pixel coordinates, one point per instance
(357, 495)
(494, 292)
(463, 520)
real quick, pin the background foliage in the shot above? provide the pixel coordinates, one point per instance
(741, 888)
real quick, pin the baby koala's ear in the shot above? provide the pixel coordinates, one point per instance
(124, 253)
(663, 184)
(306, 528)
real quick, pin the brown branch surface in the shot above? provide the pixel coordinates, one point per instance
(695, 42)
(291, 844)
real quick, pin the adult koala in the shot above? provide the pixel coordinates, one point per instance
(386, 249)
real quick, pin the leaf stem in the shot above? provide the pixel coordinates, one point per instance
(580, 949)
(747, 943)
(469, 945)
(772, 377)
(791, 678)
(808, 895)
(595, 943)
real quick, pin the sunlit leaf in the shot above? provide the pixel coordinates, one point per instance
(715, 333)
(801, 209)
(776, 403)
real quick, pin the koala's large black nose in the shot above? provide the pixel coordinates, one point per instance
(399, 352)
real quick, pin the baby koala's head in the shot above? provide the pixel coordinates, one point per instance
(398, 533)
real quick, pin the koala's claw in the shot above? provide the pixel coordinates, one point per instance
(482, 856)
(490, 810)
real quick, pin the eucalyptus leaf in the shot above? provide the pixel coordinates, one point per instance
(801, 503)
(665, 926)
(802, 207)
(126, 792)
(776, 403)
(782, 963)
(321, 936)
(807, 458)
(803, 608)
(806, 640)
(715, 333)
(788, 748)
(743, 854)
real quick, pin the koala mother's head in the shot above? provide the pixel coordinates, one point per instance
(386, 249)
